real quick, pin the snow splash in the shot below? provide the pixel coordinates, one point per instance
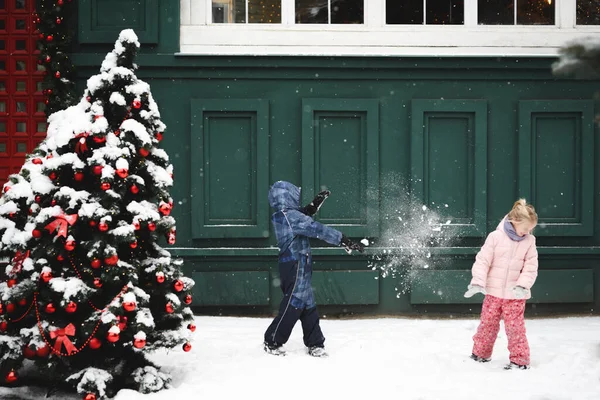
(410, 231)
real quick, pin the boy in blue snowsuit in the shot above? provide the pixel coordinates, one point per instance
(293, 227)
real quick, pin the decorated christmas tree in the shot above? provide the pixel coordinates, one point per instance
(89, 291)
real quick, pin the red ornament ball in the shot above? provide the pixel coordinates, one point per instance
(88, 99)
(70, 245)
(159, 136)
(3, 326)
(112, 337)
(11, 282)
(52, 175)
(11, 377)
(122, 172)
(50, 309)
(11, 215)
(122, 324)
(89, 396)
(95, 343)
(151, 226)
(60, 257)
(36, 233)
(105, 186)
(129, 306)
(71, 307)
(37, 161)
(49, 91)
(137, 104)
(60, 2)
(188, 299)
(187, 347)
(6, 189)
(160, 277)
(58, 20)
(192, 327)
(57, 74)
(178, 285)
(139, 343)
(79, 176)
(117, 132)
(47, 59)
(49, 38)
(136, 225)
(42, 352)
(169, 308)
(46, 276)
(134, 189)
(38, 198)
(96, 263)
(97, 169)
(1, 308)
(99, 139)
(144, 152)
(112, 260)
(165, 208)
(23, 302)
(98, 282)
(28, 352)
(53, 203)
(93, 223)
(10, 308)
(102, 226)
(133, 244)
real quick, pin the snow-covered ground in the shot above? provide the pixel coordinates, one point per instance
(391, 358)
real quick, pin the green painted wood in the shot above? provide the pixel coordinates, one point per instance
(551, 286)
(230, 168)
(235, 288)
(329, 251)
(346, 287)
(100, 21)
(340, 152)
(556, 164)
(449, 161)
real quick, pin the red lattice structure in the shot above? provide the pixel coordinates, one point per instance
(22, 118)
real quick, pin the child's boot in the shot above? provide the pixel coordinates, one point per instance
(317, 351)
(513, 365)
(274, 349)
(480, 359)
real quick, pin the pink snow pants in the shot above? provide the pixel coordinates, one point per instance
(512, 311)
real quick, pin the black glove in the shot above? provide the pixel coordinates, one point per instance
(349, 245)
(312, 208)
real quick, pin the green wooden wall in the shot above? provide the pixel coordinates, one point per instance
(470, 133)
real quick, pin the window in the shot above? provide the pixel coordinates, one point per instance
(526, 12)
(385, 27)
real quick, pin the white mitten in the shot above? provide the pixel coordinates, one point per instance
(473, 289)
(520, 292)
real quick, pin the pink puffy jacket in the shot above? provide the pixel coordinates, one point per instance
(503, 263)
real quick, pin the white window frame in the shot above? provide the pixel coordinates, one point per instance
(199, 36)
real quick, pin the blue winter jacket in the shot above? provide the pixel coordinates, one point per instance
(293, 229)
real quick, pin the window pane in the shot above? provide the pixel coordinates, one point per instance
(2, 126)
(20, 44)
(21, 127)
(2, 106)
(21, 106)
(2, 86)
(535, 12)
(40, 107)
(347, 12)
(19, 4)
(2, 65)
(21, 86)
(2, 146)
(39, 86)
(403, 12)
(21, 147)
(444, 12)
(2, 24)
(2, 45)
(264, 11)
(21, 65)
(2, 4)
(228, 12)
(312, 12)
(496, 12)
(20, 24)
(588, 12)
(41, 127)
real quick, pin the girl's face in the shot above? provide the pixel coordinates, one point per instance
(523, 227)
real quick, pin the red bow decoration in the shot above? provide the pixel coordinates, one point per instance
(62, 337)
(17, 262)
(81, 144)
(61, 223)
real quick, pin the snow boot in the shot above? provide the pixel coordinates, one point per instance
(479, 359)
(317, 351)
(274, 350)
(513, 365)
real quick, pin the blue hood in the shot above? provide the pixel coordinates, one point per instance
(284, 196)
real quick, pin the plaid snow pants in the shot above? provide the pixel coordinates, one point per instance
(512, 311)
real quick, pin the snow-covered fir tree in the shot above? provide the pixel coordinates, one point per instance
(88, 291)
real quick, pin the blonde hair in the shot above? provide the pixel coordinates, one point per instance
(522, 211)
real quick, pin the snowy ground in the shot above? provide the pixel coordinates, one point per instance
(408, 359)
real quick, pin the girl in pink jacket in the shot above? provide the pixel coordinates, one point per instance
(504, 271)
